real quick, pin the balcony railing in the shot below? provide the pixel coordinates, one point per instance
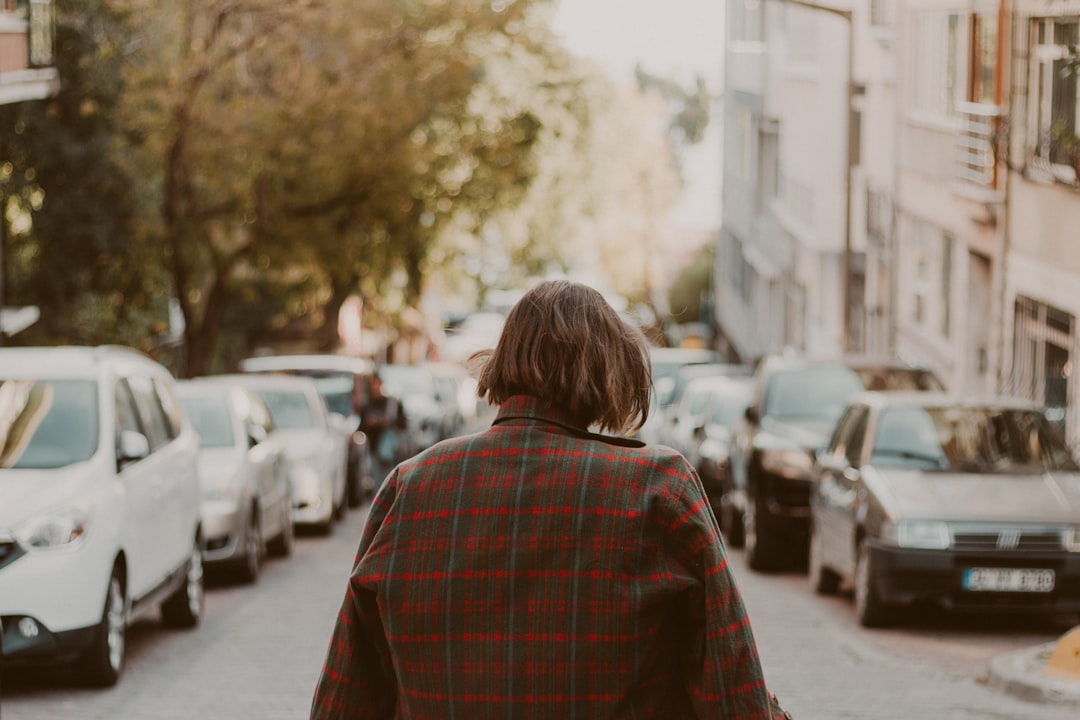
(976, 154)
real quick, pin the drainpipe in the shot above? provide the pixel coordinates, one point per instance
(1003, 97)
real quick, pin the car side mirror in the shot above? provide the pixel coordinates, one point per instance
(256, 434)
(131, 447)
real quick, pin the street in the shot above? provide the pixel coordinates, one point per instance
(259, 650)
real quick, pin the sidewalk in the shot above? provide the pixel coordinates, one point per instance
(1021, 674)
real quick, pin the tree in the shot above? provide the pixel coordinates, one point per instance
(70, 250)
(314, 143)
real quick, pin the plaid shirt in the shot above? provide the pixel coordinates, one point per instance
(535, 570)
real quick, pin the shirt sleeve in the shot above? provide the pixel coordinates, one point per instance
(357, 679)
(721, 668)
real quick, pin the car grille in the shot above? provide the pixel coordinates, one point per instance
(1008, 540)
(9, 551)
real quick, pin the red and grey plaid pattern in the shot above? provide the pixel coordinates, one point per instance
(534, 571)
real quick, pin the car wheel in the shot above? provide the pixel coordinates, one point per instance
(731, 523)
(282, 545)
(869, 608)
(823, 581)
(253, 549)
(326, 527)
(758, 549)
(101, 664)
(183, 609)
(356, 490)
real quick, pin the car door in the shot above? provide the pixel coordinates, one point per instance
(167, 470)
(142, 491)
(266, 457)
(837, 491)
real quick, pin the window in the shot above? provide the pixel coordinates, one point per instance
(746, 21)
(984, 41)
(1042, 360)
(932, 274)
(936, 63)
(1053, 89)
(151, 414)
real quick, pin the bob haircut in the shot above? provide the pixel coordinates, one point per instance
(565, 345)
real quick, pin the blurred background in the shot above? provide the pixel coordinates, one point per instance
(217, 180)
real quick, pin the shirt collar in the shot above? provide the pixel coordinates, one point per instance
(527, 407)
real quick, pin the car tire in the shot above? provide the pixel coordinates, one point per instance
(731, 523)
(282, 545)
(355, 490)
(101, 664)
(326, 527)
(869, 608)
(758, 549)
(823, 581)
(183, 609)
(249, 565)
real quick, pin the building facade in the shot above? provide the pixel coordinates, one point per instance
(916, 196)
(26, 51)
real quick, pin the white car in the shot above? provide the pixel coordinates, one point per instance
(415, 387)
(99, 505)
(314, 445)
(246, 495)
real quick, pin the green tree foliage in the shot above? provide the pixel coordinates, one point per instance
(317, 145)
(70, 248)
(690, 287)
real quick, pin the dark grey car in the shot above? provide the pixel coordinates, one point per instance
(928, 497)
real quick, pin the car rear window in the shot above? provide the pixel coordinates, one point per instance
(210, 416)
(289, 410)
(47, 424)
(810, 393)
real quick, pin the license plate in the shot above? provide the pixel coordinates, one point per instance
(1008, 580)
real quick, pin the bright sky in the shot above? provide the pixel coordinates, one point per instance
(671, 38)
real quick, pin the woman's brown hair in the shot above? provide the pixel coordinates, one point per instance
(564, 344)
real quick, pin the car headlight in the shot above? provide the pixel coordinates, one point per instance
(921, 534)
(787, 463)
(1070, 539)
(54, 530)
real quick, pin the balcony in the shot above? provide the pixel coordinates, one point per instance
(26, 50)
(976, 171)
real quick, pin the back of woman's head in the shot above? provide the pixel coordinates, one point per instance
(564, 344)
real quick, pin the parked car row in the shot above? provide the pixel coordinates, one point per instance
(120, 485)
(881, 482)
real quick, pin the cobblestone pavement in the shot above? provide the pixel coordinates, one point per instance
(824, 667)
(260, 648)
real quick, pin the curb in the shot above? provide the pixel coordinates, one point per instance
(1020, 673)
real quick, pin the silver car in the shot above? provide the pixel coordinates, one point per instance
(246, 498)
(962, 503)
(314, 445)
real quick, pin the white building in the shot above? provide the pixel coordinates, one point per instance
(952, 239)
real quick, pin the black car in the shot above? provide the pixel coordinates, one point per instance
(965, 503)
(795, 405)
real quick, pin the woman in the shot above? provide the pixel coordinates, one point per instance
(537, 569)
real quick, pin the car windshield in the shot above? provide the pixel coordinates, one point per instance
(210, 416)
(47, 423)
(406, 380)
(728, 406)
(810, 393)
(881, 377)
(969, 439)
(288, 410)
(336, 390)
